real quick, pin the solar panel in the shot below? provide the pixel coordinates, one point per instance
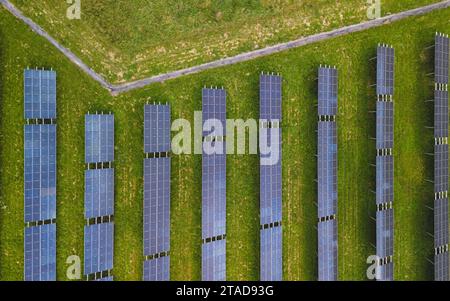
(385, 233)
(40, 253)
(386, 272)
(98, 248)
(440, 113)
(271, 265)
(157, 269)
(441, 167)
(385, 70)
(99, 137)
(385, 179)
(270, 94)
(214, 261)
(40, 172)
(327, 169)
(156, 128)
(327, 233)
(99, 192)
(111, 278)
(441, 231)
(156, 205)
(214, 108)
(385, 124)
(441, 271)
(328, 91)
(213, 195)
(441, 59)
(40, 94)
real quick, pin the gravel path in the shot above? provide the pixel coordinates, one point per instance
(117, 89)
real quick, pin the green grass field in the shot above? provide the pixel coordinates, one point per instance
(78, 94)
(128, 40)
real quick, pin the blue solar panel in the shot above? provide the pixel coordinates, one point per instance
(271, 250)
(385, 70)
(385, 179)
(214, 108)
(40, 172)
(99, 192)
(441, 58)
(328, 250)
(156, 206)
(327, 169)
(40, 94)
(214, 261)
(157, 128)
(386, 272)
(441, 231)
(441, 270)
(99, 137)
(385, 124)
(111, 278)
(328, 91)
(440, 113)
(98, 248)
(213, 195)
(157, 269)
(40, 253)
(441, 167)
(385, 233)
(270, 95)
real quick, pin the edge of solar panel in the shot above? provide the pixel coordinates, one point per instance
(100, 149)
(327, 250)
(214, 261)
(159, 233)
(47, 270)
(157, 128)
(29, 77)
(92, 262)
(441, 58)
(271, 252)
(157, 269)
(104, 204)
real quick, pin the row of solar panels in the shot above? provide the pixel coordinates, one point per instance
(40, 176)
(270, 111)
(441, 209)
(99, 197)
(214, 187)
(157, 123)
(327, 173)
(385, 162)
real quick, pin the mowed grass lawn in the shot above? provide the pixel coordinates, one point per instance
(78, 94)
(127, 40)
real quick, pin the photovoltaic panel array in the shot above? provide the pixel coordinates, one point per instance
(98, 248)
(40, 94)
(385, 162)
(327, 148)
(40, 253)
(214, 260)
(99, 197)
(270, 114)
(40, 172)
(99, 133)
(328, 250)
(214, 186)
(40, 175)
(157, 121)
(385, 70)
(441, 223)
(156, 128)
(328, 91)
